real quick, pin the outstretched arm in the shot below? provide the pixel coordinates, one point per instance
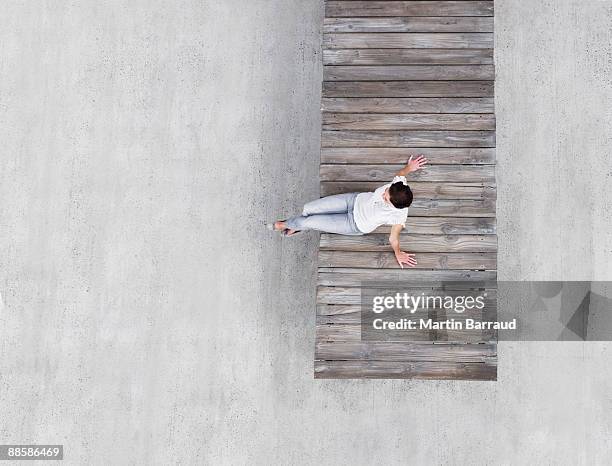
(401, 257)
(413, 165)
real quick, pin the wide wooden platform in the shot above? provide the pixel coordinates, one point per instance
(401, 78)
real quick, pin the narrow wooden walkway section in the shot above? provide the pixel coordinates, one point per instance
(401, 78)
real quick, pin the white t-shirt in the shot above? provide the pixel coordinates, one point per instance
(371, 210)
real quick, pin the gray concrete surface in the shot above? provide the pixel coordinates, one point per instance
(149, 319)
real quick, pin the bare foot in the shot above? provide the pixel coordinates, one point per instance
(280, 226)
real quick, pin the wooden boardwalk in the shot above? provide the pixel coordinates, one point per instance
(401, 78)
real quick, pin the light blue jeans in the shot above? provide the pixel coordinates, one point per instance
(331, 214)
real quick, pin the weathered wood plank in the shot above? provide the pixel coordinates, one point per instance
(382, 155)
(347, 277)
(345, 314)
(409, 24)
(408, 40)
(419, 189)
(337, 309)
(350, 333)
(407, 105)
(409, 73)
(384, 173)
(338, 319)
(411, 242)
(382, 351)
(352, 295)
(347, 333)
(409, 121)
(413, 138)
(386, 260)
(452, 190)
(408, 57)
(405, 370)
(407, 8)
(454, 89)
(447, 225)
(452, 208)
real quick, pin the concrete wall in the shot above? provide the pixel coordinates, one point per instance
(148, 317)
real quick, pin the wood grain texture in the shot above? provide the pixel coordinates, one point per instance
(455, 89)
(339, 319)
(386, 260)
(409, 24)
(407, 57)
(352, 333)
(382, 351)
(484, 174)
(346, 138)
(409, 121)
(408, 73)
(353, 277)
(337, 309)
(407, 8)
(412, 243)
(433, 225)
(408, 40)
(404, 370)
(452, 208)
(407, 105)
(392, 155)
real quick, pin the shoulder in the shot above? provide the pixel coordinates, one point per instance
(400, 216)
(381, 189)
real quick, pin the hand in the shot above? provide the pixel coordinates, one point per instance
(405, 258)
(416, 164)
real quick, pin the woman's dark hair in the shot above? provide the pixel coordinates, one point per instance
(400, 195)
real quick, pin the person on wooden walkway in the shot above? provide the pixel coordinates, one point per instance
(361, 213)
